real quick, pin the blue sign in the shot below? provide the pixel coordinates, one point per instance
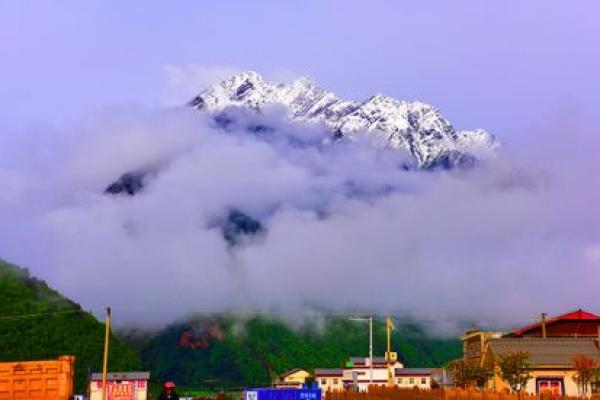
(282, 394)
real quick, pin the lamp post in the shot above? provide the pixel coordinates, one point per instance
(370, 322)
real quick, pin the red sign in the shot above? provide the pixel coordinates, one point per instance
(120, 391)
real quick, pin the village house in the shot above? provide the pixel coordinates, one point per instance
(121, 385)
(421, 378)
(551, 345)
(330, 379)
(551, 362)
(294, 378)
(357, 373)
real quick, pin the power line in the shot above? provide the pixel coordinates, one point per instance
(24, 316)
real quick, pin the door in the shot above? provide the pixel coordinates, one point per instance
(551, 387)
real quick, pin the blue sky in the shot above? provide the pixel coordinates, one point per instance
(523, 70)
(505, 66)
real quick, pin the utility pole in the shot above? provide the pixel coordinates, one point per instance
(544, 325)
(389, 356)
(371, 349)
(106, 348)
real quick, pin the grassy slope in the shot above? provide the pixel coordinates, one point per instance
(250, 351)
(48, 335)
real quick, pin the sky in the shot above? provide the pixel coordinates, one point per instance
(499, 65)
(87, 93)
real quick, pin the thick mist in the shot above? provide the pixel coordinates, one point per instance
(347, 227)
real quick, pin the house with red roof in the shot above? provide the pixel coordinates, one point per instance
(578, 323)
(551, 345)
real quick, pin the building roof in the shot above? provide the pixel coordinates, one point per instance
(329, 372)
(362, 360)
(292, 371)
(376, 360)
(122, 376)
(415, 371)
(549, 351)
(577, 315)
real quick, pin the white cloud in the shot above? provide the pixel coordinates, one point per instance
(346, 227)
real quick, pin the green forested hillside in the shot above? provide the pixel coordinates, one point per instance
(37, 322)
(228, 351)
(216, 351)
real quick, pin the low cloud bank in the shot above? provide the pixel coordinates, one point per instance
(347, 227)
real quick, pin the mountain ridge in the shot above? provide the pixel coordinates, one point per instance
(224, 350)
(415, 127)
(418, 129)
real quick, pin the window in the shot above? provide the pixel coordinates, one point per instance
(411, 381)
(399, 381)
(335, 381)
(323, 381)
(423, 381)
(595, 386)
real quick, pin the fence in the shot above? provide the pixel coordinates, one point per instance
(384, 393)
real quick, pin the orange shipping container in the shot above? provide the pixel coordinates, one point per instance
(37, 380)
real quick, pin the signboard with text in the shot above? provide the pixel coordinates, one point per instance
(120, 391)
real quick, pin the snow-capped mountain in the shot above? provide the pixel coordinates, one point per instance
(415, 127)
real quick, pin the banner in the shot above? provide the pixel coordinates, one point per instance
(120, 391)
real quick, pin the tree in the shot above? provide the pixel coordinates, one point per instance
(460, 371)
(514, 369)
(595, 384)
(469, 373)
(585, 371)
(482, 374)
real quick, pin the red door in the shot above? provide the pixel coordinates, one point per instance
(551, 387)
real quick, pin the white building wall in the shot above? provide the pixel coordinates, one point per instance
(406, 381)
(330, 383)
(364, 375)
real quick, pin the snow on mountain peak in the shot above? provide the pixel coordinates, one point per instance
(416, 127)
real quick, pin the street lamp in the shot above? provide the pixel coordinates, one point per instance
(370, 322)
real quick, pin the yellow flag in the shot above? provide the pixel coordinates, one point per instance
(390, 324)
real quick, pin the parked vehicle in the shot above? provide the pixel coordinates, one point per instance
(37, 380)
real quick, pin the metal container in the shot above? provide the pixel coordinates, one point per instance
(37, 380)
